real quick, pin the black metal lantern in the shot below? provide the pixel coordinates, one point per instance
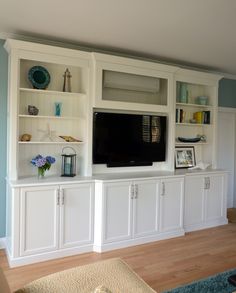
(68, 167)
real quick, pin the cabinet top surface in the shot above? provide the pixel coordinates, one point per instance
(57, 180)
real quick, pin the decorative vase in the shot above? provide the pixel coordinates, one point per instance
(41, 173)
(183, 93)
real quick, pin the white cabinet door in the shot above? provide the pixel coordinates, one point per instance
(117, 209)
(194, 200)
(171, 204)
(76, 218)
(39, 219)
(145, 207)
(214, 197)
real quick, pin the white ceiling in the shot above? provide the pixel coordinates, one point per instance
(198, 33)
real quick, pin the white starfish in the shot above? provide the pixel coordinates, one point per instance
(48, 134)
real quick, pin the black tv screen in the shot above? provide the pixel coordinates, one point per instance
(128, 139)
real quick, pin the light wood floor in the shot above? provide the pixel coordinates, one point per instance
(163, 265)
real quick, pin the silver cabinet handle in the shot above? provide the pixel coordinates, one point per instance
(62, 197)
(132, 191)
(207, 183)
(163, 189)
(136, 191)
(58, 197)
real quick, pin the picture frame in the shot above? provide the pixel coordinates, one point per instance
(184, 157)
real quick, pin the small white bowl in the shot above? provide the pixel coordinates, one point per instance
(202, 100)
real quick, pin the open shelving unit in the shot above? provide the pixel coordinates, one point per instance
(45, 128)
(197, 84)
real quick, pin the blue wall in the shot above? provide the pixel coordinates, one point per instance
(227, 98)
(3, 134)
(227, 93)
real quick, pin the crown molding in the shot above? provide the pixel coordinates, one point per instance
(47, 41)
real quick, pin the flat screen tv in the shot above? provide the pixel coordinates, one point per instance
(128, 139)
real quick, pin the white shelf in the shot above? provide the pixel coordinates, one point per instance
(193, 105)
(49, 142)
(192, 124)
(48, 117)
(191, 143)
(58, 93)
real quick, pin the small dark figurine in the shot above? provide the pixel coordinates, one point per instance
(32, 110)
(67, 81)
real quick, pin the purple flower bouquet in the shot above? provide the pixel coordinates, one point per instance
(43, 164)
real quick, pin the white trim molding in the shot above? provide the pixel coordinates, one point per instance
(2, 243)
(227, 109)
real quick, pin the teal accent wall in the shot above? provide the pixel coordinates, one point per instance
(227, 93)
(3, 135)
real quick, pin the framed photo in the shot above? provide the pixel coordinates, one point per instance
(184, 157)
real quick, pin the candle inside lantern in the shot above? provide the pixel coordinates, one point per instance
(68, 163)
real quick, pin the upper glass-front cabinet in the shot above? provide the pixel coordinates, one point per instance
(124, 85)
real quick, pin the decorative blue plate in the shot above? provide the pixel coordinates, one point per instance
(194, 139)
(39, 77)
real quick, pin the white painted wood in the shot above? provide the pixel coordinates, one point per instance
(74, 118)
(194, 200)
(145, 207)
(2, 243)
(205, 201)
(76, 215)
(117, 211)
(199, 84)
(39, 220)
(43, 223)
(226, 149)
(171, 204)
(215, 207)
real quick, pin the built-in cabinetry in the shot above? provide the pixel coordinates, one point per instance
(171, 204)
(205, 200)
(128, 84)
(93, 211)
(46, 128)
(196, 112)
(137, 211)
(51, 219)
(134, 86)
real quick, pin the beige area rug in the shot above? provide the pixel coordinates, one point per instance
(114, 274)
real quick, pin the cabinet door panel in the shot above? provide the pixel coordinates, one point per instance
(214, 198)
(76, 215)
(39, 220)
(146, 205)
(117, 223)
(194, 200)
(171, 204)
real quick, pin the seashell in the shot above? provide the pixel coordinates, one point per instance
(25, 137)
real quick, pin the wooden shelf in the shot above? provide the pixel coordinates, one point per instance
(192, 124)
(48, 117)
(193, 105)
(191, 143)
(49, 92)
(49, 142)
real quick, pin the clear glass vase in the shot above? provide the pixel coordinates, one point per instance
(41, 173)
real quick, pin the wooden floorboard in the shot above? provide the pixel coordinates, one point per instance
(163, 265)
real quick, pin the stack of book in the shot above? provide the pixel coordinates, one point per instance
(180, 116)
(202, 117)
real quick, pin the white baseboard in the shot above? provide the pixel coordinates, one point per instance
(2, 243)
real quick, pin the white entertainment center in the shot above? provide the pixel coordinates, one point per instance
(104, 208)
